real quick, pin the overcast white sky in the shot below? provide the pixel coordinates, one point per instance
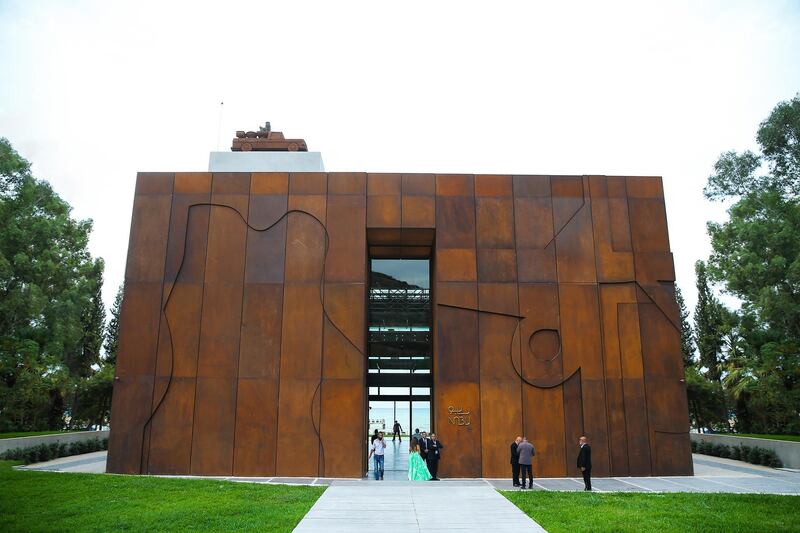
(92, 92)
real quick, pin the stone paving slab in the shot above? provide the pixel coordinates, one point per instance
(415, 506)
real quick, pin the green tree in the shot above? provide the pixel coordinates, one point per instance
(47, 282)
(112, 331)
(756, 257)
(708, 324)
(687, 334)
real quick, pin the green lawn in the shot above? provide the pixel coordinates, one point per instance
(33, 433)
(53, 501)
(628, 512)
(793, 438)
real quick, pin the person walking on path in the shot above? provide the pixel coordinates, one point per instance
(526, 453)
(585, 462)
(515, 460)
(434, 454)
(397, 431)
(417, 471)
(378, 448)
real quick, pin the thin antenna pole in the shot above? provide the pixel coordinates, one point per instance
(219, 125)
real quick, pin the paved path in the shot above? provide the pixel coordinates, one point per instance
(712, 474)
(469, 505)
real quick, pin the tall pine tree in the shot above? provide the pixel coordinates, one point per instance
(687, 335)
(708, 325)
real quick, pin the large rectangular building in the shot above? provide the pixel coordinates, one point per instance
(264, 312)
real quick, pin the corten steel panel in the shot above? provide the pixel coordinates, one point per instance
(667, 407)
(582, 346)
(455, 222)
(457, 345)
(344, 330)
(457, 294)
(500, 389)
(543, 408)
(538, 304)
(418, 211)
(384, 184)
(313, 183)
(638, 434)
(498, 298)
(300, 374)
(346, 260)
(139, 323)
(455, 185)
(342, 426)
(533, 228)
(262, 314)
(495, 222)
(256, 427)
(269, 183)
(266, 238)
(214, 423)
(611, 297)
(342, 391)
(544, 426)
(188, 231)
(573, 225)
(464, 457)
(384, 202)
(149, 228)
(497, 265)
(493, 185)
(613, 264)
(171, 429)
(178, 343)
(456, 264)
(574, 425)
(418, 185)
(298, 422)
(347, 183)
(129, 411)
(224, 277)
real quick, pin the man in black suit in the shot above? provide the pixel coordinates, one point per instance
(585, 462)
(515, 460)
(434, 454)
(425, 445)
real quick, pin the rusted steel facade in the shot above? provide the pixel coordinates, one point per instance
(242, 343)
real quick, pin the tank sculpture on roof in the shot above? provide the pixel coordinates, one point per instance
(266, 140)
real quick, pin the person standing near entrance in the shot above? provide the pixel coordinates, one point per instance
(585, 462)
(526, 453)
(417, 470)
(373, 437)
(416, 435)
(397, 430)
(515, 460)
(434, 454)
(424, 445)
(378, 448)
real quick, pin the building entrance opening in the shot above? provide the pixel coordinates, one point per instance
(399, 375)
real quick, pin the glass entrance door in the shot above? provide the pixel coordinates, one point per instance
(399, 339)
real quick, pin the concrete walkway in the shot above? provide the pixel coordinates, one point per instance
(712, 474)
(468, 505)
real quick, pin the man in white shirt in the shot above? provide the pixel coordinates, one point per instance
(377, 448)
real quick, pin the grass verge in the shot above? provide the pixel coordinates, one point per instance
(630, 512)
(53, 501)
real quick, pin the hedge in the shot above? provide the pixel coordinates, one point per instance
(754, 455)
(46, 452)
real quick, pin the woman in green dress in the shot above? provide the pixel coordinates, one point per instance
(417, 469)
